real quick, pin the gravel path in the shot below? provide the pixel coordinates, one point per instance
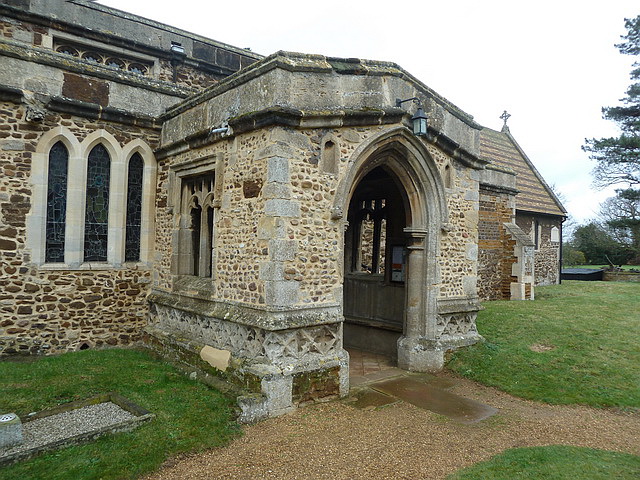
(337, 441)
(64, 425)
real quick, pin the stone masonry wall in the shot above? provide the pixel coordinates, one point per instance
(547, 255)
(47, 310)
(238, 251)
(295, 244)
(458, 247)
(495, 256)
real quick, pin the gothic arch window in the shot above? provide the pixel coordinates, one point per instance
(197, 226)
(92, 201)
(57, 180)
(134, 208)
(370, 230)
(96, 223)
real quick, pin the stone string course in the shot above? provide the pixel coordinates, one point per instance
(187, 76)
(50, 311)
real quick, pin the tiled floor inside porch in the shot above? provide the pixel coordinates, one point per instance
(365, 367)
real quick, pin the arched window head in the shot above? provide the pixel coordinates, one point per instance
(57, 180)
(134, 208)
(96, 224)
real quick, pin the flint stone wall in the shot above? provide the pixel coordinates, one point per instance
(276, 244)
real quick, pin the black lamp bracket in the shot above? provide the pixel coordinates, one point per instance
(415, 100)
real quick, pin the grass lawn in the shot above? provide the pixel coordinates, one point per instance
(556, 462)
(577, 343)
(189, 415)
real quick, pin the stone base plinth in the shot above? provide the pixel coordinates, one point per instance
(262, 389)
(422, 355)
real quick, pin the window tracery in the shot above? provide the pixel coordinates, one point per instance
(370, 237)
(198, 216)
(91, 55)
(93, 201)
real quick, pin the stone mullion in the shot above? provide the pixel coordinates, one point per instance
(204, 262)
(76, 206)
(117, 211)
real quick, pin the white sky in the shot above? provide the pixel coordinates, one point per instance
(551, 64)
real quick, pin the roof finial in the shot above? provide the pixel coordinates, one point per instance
(505, 116)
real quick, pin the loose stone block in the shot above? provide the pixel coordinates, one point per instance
(215, 357)
(10, 430)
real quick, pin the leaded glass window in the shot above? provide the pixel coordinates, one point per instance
(96, 222)
(56, 203)
(134, 209)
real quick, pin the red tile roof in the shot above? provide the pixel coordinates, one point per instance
(501, 149)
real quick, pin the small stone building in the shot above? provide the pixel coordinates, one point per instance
(248, 216)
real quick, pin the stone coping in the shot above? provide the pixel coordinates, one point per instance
(301, 62)
(140, 413)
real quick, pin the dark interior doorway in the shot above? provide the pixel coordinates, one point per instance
(375, 267)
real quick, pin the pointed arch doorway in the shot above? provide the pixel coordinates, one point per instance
(395, 206)
(375, 267)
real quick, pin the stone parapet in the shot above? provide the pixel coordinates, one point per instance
(281, 80)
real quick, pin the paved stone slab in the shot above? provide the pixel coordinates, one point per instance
(435, 399)
(369, 399)
(443, 383)
(356, 380)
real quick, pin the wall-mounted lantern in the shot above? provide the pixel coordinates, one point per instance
(419, 119)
